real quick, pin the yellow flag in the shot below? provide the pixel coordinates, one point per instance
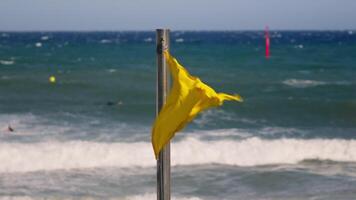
(188, 96)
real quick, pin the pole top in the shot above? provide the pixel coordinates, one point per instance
(162, 45)
(162, 29)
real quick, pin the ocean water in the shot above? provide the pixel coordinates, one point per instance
(88, 135)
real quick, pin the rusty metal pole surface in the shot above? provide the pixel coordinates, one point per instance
(164, 159)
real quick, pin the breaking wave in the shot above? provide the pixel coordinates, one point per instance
(25, 157)
(147, 196)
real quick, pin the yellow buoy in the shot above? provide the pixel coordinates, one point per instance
(52, 79)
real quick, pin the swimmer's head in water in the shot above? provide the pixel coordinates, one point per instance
(9, 128)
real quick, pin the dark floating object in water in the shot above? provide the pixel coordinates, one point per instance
(9, 128)
(112, 103)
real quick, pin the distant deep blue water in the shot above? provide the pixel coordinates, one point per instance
(88, 135)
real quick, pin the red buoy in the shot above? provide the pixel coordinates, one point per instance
(267, 42)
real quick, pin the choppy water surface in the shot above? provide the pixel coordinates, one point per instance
(88, 135)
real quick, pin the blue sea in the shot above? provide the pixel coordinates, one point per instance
(87, 136)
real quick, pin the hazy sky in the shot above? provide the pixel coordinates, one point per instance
(176, 14)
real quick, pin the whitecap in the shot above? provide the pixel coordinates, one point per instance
(149, 39)
(7, 62)
(38, 44)
(300, 46)
(179, 40)
(271, 131)
(111, 70)
(240, 133)
(299, 83)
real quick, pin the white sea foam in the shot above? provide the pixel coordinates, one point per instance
(148, 196)
(25, 157)
(179, 40)
(111, 70)
(28, 125)
(241, 133)
(299, 83)
(38, 44)
(154, 196)
(18, 121)
(271, 131)
(149, 39)
(7, 62)
(300, 46)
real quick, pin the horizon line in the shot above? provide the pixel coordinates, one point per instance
(174, 30)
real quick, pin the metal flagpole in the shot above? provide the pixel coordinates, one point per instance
(164, 159)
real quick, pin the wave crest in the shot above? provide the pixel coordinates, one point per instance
(20, 157)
